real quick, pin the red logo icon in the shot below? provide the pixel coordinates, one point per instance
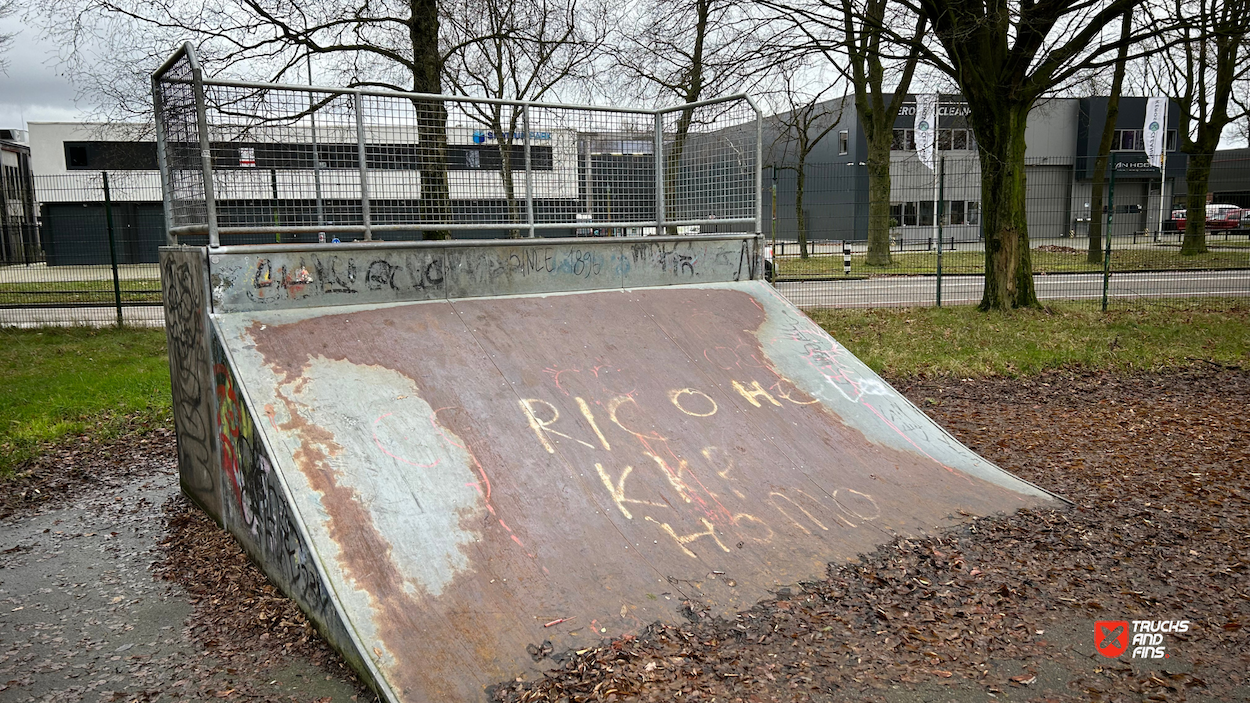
(1111, 637)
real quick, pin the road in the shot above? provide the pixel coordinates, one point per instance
(881, 291)
(905, 291)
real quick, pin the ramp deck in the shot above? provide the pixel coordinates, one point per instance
(443, 480)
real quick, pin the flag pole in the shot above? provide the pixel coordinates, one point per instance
(1163, 162)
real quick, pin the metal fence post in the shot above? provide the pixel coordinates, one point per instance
(108, 224)
(529, 170)
(1106, 261)
(162, 162)
(659, 173)
(937, 213)
(365, 218)
(206, 157)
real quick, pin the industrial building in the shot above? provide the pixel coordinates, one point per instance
(1062, 138)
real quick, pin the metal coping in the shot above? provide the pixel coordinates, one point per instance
(475, 243)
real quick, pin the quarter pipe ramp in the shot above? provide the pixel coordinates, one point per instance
(458, 459)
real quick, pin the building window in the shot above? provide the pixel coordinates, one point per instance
(909, 213)
(844, 141)
(111, 156)
(896, 214)
(1132, 140)
(904, 140)
(955, 212)
(974, 212)
(926, 213)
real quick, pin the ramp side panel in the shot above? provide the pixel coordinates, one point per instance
(325, 276)
(256, 509)
(471, 470)
(185, 289)
(280, 279)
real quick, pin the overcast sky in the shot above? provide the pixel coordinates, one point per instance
(32, 90)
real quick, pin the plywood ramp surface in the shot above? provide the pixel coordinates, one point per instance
(470, 471)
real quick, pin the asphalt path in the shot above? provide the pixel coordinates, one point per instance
(906, 291)
(878, 291)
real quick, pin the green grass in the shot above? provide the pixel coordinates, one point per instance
(964, 342)
(79, 292)
(57, 383)
(1161, 259)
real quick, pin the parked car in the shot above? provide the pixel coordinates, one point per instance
(1219, 216)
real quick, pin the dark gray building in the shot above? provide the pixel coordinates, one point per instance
(1062, 139)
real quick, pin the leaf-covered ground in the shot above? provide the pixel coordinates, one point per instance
(1003, 607)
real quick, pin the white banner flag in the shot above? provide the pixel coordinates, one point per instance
(1155, 129)
(926, 128)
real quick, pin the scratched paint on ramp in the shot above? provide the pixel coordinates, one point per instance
(475, 469)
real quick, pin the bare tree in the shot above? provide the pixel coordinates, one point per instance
(531, 48)
(1005, 56)
(856, 37)
(808, 118)
(1203, 63)
(393, 44)
(7, 9)
(691, 50)
(1095, 253)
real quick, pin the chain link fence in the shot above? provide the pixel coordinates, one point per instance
(289, 163)
(937, 248)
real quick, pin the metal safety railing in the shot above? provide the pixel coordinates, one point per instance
(299, 163)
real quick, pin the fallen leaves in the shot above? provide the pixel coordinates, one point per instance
(1162, 514)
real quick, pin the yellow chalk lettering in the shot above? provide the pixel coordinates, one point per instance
(675, 397)
(876, 511)
(614, 405)
(682, 541)
(618, 491)
(795, 505)
(754, 392)
(543, 427)
(590, 417)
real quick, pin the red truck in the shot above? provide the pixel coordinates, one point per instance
(1218, 217)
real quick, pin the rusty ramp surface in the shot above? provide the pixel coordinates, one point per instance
(485, 480)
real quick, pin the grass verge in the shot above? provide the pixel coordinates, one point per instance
(963, 342)
(1161, 259)
(79, 292)
(61, 382)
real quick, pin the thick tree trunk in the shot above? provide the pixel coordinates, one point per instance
(1104, 145)
(1197, 175)
(879, 198)
(1008, 261)
(800, 182)
(427, 77)
(1094, 255)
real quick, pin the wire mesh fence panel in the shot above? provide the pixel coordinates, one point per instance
(97, 255)
(289, 163)
(711, 160)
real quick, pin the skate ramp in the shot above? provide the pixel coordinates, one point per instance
(463, 485)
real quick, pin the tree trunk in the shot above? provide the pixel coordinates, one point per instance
(1094, 255)
(1008, 261)
(1197, 175)
(1104, 145)
(879, 198)
(801, 217)
(427, 76)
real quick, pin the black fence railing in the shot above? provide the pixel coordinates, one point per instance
(1144, 257)
(91, 257)
(94, 254)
